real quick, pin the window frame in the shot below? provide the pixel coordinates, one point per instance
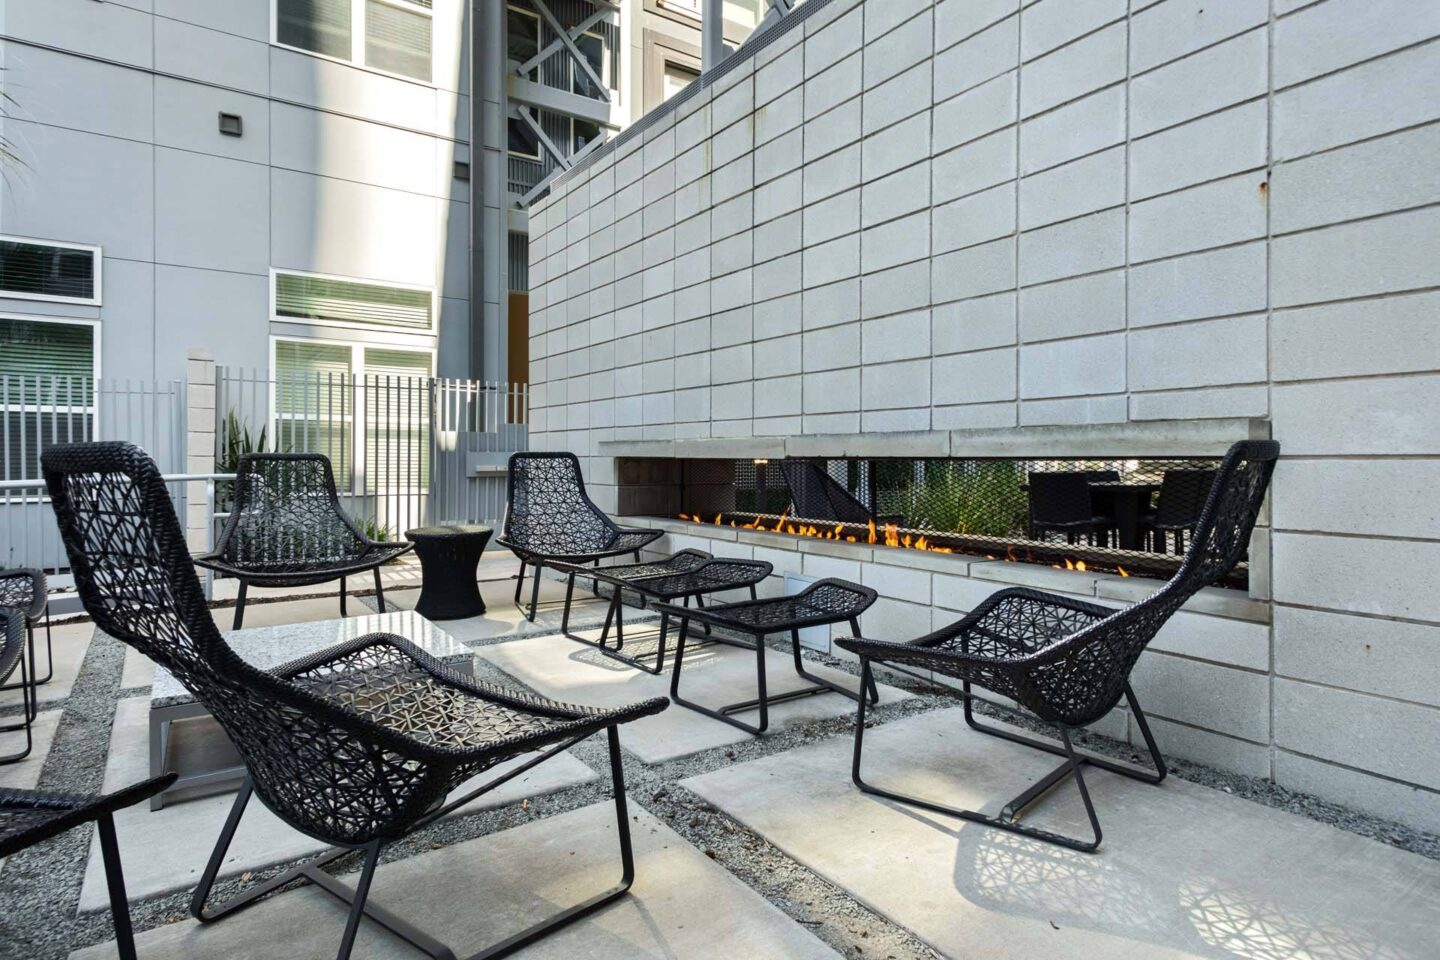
(91, 410)
(275, 317)
(357, 39)
(99, 260)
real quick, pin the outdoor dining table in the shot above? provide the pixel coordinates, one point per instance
(1128, 502)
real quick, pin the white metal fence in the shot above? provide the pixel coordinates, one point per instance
(37, 412)
(406, 451)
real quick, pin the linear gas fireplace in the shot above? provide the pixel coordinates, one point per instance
(1131, 517)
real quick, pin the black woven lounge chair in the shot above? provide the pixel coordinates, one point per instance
(820, 604)
(27, 591)
(1066, 661)
(14, 639)
(28, 817)
(356, 746)
(815, 495)
(548, 516)
(286, 529)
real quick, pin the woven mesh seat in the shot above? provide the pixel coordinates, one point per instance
(1067, 661)
(357, 745)
(286, 529)
(549, 517)
(28, 817)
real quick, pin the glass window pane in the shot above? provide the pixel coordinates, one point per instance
(523, 142)
(585, 132)
(314, 402)
(677, 78)
(593, 49)
(397, 419)
(47, 387)
(397, 40)
(522, 35)
(42, 270)
(322, 298)
(321, 26)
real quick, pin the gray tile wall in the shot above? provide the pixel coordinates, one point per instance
(936, 215)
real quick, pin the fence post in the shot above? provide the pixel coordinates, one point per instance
(199, 445)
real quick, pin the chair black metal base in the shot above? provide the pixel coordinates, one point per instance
(615, 615)
(358, 896)
(763, 702)
(535, 604)
(1011, 813)
(239, 620)
(29, 704)
(49, 655)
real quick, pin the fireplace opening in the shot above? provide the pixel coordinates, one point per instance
(1130, 517)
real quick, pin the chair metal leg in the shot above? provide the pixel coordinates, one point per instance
(49, 654)
(534, 592)
(615, 614)
(1012, 811)
(29, 707)
(357, 903)
(240, 606)
(379, 591)
(115, 883)
(342, 598)
(519, 582)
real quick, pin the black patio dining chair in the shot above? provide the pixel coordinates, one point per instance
(1062, 502)
(1066, 661)
(1177, 508)
(14, 641)
(357, 746)
(28, 817)
(815, 495)
(28, 591)
(549, 517)
(286, 529)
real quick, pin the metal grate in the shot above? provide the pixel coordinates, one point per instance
(1118, 515)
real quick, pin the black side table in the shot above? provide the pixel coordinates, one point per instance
(448, 557)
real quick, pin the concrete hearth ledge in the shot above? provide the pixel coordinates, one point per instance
(574, 673)
(1184, 871)
(481, 891)
(1151, 438)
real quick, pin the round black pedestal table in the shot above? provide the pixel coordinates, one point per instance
(448, 557)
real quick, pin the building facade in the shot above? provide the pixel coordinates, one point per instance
(948, 229)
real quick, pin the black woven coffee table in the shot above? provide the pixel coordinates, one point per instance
(822, 603)
(687, 574)
(448, 557)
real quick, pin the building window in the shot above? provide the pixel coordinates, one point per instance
(592, 47)
(367, 408)
(583, 133)
(333, 300)
(524, 144)
(43, 270)
(390, 35)
(677, 77)
(522, 35)
(47, 389)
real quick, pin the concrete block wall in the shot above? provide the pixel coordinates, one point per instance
(340, 170)
(910, 215)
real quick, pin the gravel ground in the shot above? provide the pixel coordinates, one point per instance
(41, 886)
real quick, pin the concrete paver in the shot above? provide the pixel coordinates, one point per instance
(472, 894)
(1185, 870)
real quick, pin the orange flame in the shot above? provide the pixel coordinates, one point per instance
(872, 530)
(1123, 571)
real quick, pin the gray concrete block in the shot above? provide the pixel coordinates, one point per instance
(1072, 71)
(898, 50)
(1386, 578)
(1352, 788)
(836, 85)
(905, 384)
(981, 377)
(1205, 149)
(777, 197)
(898, 98)
(896, 147)
(1070, 368)
(781, 316)
(1094, 242)
(1364, 101)
(778, 397)
(1076, 307)
(830, 348)
(1325, 38)
(1378, 176)
(1200, 354)
(987, 268)
(1081, 186)
(780, 75)
(1394, 253)
(982, 56)
(1370, 733)
(895, 290)
(1210, 403)
(1356, 338)
(1387, 658)
(832, 217)
(974, 324)
(836, 303)
(976, 218)
(895, 195)
(1168, 31)
(976, 112)
(836, 391)
(1210, 215)
(1047, 25)
(957, 19)
(1214, 283)
(901, 337)
(1233, 702)
(840, 128)
(895, 243)
(833, 174)
(1075, 129)
(834, 260)
(1229, 73)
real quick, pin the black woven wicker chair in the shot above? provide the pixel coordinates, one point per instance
(286, 529)
(14, 640)
(815, 495)
(27, 590)
(356, 746)
(28, 817)
(548, 516)
(1177, 509)
(1062, 502)
(1066, 661)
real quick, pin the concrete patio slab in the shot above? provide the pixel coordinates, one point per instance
(503, 621)
(25, 774)
(571, 672)
(177, 840)
(1185, 871)
(473, 894)
(70, 642)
